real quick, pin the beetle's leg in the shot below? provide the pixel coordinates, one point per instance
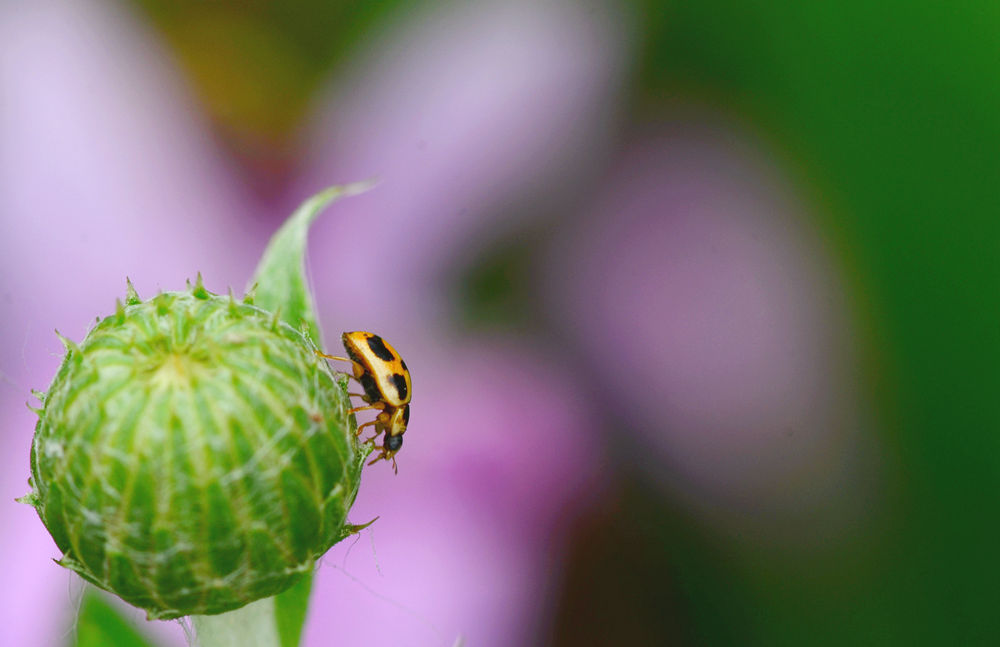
(382, 456)
(360, 427)
(378, 405)
(324, 355)
(357, 369)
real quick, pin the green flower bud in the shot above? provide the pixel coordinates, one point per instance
(193, 454)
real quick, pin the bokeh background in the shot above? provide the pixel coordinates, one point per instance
(700, 298)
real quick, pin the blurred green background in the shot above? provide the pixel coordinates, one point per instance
(887, 115)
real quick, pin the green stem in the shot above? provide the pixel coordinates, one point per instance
(254, 625)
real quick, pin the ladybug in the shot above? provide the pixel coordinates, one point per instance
(383, 375)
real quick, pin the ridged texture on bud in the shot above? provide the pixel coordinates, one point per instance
(193, 454)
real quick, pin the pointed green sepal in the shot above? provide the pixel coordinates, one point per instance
(72, 349)
(231, 305)
(131, 296)
(28, 499)
(163, 302)
(199, 291)
(352, 529)
(251, 295)
(77, 567)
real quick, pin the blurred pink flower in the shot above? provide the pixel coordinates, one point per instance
(715, 318)
(106, 170)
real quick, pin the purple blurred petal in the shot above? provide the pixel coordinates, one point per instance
(714, 316)
(495, 425)
(456, 113)
(425, 576)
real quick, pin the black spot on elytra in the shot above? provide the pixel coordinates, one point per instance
(403, 364)
(399, 381)
(392, 443)
(370, 387)
(378, 347)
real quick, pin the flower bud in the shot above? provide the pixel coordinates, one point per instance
(193, 454)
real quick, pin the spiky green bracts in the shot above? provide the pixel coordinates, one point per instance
(193, 454)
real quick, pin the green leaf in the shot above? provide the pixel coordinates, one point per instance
(100, 624)
(280, 278)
